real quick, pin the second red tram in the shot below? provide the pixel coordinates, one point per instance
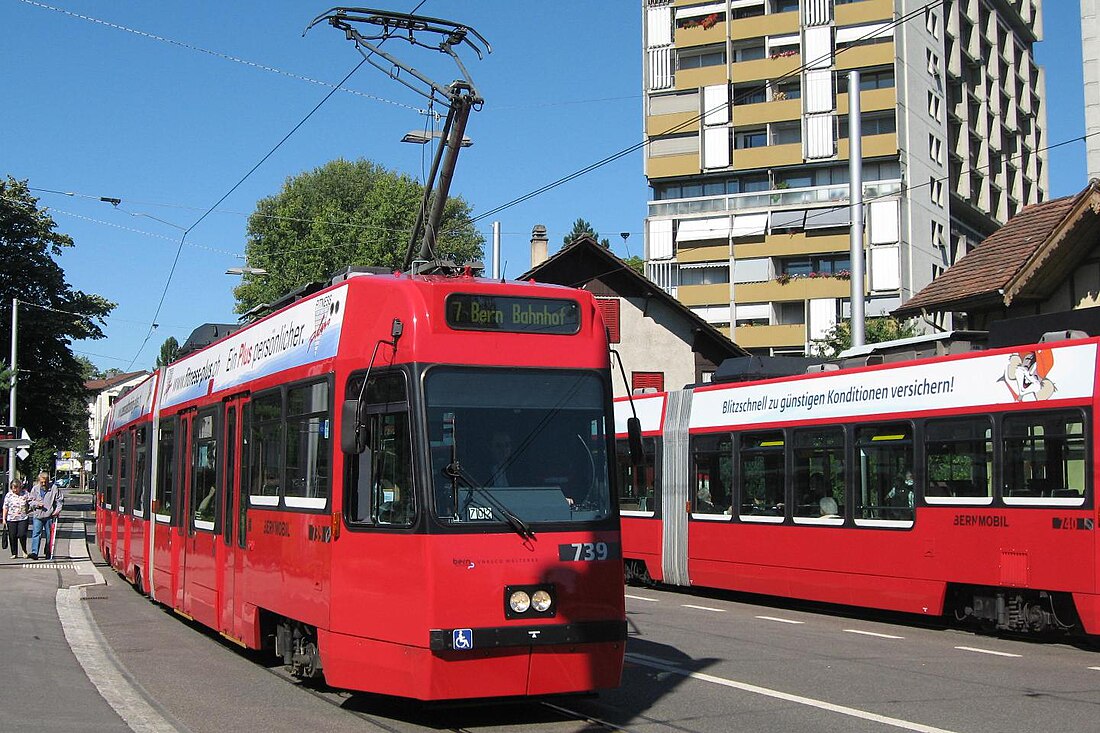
(957, 485)
(401, 483)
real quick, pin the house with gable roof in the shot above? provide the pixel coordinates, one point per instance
(1044, 260)
(663, 344)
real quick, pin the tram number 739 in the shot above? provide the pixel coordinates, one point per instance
(588, 551)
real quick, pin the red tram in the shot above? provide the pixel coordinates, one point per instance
(962, 484)
(401, 483)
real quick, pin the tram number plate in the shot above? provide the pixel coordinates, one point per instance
(588, 551)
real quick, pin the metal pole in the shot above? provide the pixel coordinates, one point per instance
(461, 106)
(855, 196)
(496, 250)
(14, 381)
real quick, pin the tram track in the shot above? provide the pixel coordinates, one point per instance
(410, 716)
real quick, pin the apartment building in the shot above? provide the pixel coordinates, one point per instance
(746, 118)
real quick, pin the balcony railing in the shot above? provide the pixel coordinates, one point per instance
(770, 199)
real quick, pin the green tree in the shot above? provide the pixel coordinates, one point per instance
(169, 352)
(51, 397)
(581, 228)
(875, 330)
(343, 213)
(635, 263)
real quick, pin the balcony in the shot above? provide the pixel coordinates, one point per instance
(878, 54)
(689, 252)
(761, 69)
(874, 146)
(700, 36)
(801, 288)
(773, 24)
(691, 295)
(769, 199)
(704, 77)
(677, 122)
(864, 12)
(767, 156)
(672, 165)
(759, 337)
(871, 100)
(795, 243)
(759, 113)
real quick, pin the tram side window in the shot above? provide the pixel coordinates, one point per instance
(265, 463)
(819, 473)
(141, 468)
(204, 472)
(1044, 458)
(959, 461)
(885, 488)
(763, 475)
(123, 472)
(308, 450)
(166, 480)
(381, 477)
(712, 473)
(636, 482)
(109, 476)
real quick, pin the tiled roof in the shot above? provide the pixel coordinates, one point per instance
(981, 276)
(98, 385)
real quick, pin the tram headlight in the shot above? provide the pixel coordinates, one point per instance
(519, 601)
(541, 601)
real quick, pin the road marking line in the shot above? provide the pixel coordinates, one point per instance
(987, 651)
(703, 608)
(788, 697)
(642, 598)
(1096, 668)
(873, 633)
(780, 620)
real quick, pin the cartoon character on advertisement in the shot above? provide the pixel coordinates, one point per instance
(1026, 375)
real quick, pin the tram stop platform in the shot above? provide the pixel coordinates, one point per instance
(84, 651)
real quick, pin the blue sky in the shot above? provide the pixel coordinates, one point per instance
(143, 101)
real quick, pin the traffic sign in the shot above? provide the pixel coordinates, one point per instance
(12, 437)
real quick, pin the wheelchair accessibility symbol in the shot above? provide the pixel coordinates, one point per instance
(463, 639)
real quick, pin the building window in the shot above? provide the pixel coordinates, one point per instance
(750, 139)
(786, 133)
(609, 311)
(787, 90)
(647, 380)
(714, 275)
(874, 123)
(703, 56)
(882, 78)
(816, 265)
(750, 51)
(749, 94)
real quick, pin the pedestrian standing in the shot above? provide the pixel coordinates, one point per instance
(14, 517)
(46, 502)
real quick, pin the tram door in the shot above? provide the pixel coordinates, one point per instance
(230, 565)
(201, 544)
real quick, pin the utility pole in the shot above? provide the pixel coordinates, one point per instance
(14, 383)
(855, 197)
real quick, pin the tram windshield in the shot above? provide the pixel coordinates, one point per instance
(523, 445)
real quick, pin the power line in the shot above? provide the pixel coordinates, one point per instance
(236, 185)
(218, 54)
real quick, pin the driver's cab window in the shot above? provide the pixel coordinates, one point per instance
(381, 477)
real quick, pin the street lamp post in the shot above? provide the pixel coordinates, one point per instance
(14, 381)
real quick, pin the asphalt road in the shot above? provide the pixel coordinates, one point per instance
(695, 662)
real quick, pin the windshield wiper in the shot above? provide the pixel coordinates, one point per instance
(455, 472)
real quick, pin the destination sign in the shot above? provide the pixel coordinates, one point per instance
(470, 312)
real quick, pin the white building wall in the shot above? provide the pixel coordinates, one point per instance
(649, 343)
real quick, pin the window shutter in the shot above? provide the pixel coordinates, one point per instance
(609, 311)
(650, 380)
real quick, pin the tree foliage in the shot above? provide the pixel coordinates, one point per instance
(169, 352)
(875, 330)
(50, 396)
(635, 263)
(343, 213)
(581, 228)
